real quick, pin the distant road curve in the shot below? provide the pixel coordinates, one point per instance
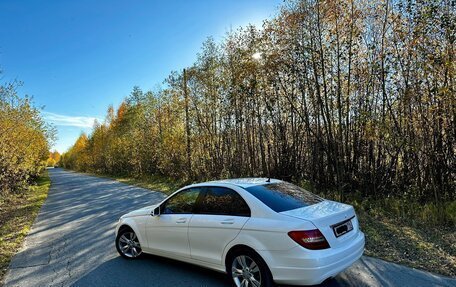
(71, 243)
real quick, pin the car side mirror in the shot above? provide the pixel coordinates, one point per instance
(156, 211)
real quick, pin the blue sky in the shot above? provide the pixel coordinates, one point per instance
(78, 57)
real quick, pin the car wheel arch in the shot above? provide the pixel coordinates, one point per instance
(132, 226)
(235, 250)
(243, 239)
(125, 227)
(241, 249)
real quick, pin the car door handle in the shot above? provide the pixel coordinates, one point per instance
(227, 221)
(181, 220)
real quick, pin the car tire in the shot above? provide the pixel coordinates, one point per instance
(247, 265)
(127, 244)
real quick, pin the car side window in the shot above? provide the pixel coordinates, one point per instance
(222, 201)
(182, 203)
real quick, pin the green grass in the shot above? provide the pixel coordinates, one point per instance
(404, 241)
(17, 213)
(162, 184)
(156, 183)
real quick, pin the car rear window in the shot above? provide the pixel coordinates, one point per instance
(283, 196)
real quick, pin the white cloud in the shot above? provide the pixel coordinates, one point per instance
(70, 121)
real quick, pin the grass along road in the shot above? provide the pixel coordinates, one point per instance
(17, 213)
(156, 183)
(399, 239)
(421, 246)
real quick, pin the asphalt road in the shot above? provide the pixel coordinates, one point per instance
(71, 243)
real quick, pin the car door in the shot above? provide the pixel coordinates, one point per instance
(167, 234)
(219, 216)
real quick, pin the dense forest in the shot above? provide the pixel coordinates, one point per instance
(347, 95)
(25, 139)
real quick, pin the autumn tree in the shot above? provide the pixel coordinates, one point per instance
(25, 140)
(347, 95)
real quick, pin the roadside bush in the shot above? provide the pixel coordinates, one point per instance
(24, 140)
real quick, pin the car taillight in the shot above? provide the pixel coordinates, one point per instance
(310, 239)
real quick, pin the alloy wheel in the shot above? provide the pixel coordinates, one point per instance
(245, 272)
(129, 245)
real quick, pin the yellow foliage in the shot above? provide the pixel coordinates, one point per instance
(24, 140)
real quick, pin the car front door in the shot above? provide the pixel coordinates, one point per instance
(167, 234)
(219, 216)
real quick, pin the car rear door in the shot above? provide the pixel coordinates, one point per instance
(219, 216)
(167, 234)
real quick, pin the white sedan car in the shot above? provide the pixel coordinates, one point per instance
(257, 230)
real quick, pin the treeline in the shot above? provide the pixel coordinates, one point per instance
(25, 140)
(350, 95)
(53, 159)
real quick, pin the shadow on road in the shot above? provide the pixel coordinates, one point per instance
(150, 271)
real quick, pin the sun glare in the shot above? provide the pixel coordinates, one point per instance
(257, 56)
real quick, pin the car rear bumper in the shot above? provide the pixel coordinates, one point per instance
(299, 266)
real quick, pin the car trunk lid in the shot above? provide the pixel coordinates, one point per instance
(328, 216)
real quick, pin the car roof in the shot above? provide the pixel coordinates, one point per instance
(247, 182)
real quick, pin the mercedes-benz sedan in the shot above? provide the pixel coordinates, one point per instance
(257, 230)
